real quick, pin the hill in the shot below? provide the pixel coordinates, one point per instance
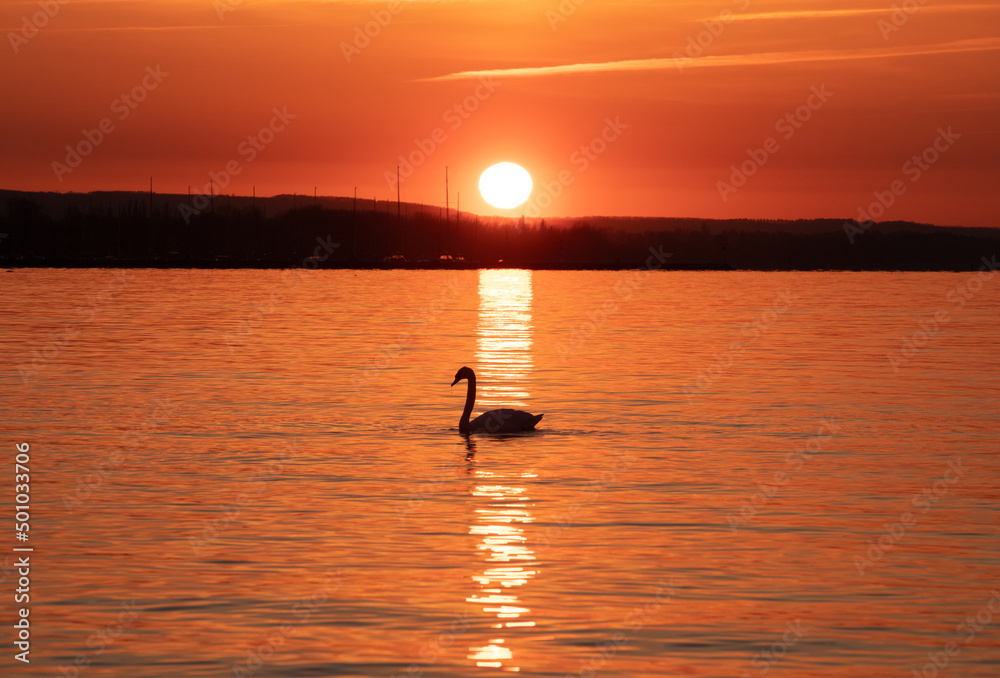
(130, 229)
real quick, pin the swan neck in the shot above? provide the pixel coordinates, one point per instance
(470, 401)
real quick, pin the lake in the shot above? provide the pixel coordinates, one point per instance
(259, 473)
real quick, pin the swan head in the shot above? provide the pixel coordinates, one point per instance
(464, 373)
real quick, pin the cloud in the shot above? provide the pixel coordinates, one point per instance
(731, 60)
(191, 27)
(829, 13)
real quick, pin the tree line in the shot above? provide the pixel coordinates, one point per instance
(140, 229)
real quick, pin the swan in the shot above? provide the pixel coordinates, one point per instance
(494, 421)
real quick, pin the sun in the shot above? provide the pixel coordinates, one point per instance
(505, 185)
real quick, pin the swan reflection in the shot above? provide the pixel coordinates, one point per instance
(470, 449)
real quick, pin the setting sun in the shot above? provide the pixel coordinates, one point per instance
(505, 185)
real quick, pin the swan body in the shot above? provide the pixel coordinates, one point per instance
(494, 421)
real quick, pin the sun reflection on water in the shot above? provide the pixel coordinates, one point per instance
(503, 347)
(510, 562)
(504, 364)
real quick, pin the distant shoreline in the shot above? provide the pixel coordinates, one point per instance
(148, 230)
(431, 266)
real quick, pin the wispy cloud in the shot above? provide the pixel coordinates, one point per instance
(757, 59)
(831, 13)
(192, 27)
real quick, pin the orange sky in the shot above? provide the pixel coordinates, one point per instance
(557, 78)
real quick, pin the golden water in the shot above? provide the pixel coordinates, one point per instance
(266, 468)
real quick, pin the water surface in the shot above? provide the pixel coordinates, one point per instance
(241, 473)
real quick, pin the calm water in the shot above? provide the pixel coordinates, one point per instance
(257, 473)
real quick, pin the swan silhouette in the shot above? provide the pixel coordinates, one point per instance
(494, 421)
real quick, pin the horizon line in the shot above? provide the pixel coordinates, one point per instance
(513, 217)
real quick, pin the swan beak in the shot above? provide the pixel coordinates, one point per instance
(454, 382)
